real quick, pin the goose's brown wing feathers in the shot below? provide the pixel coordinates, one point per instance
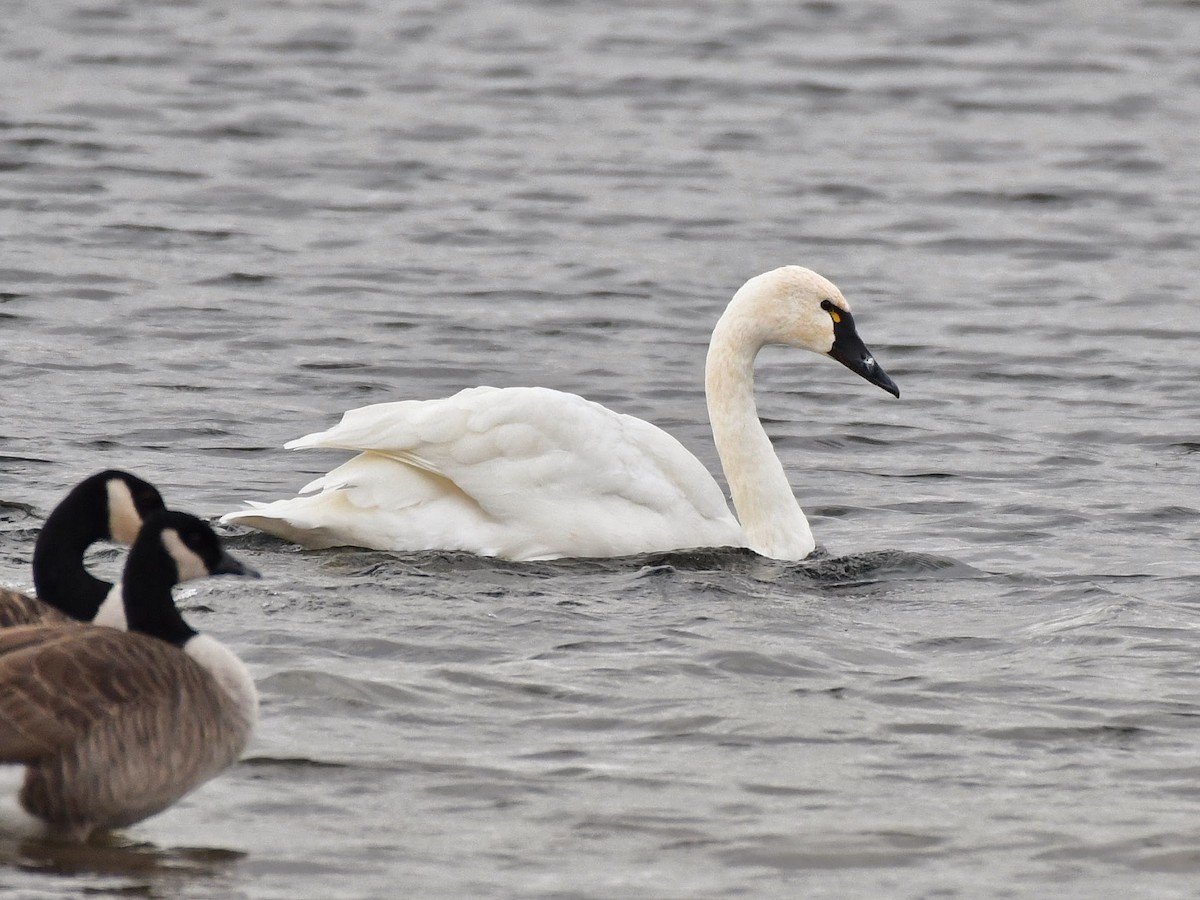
(56, 683)
(18, 609)
(113, 726)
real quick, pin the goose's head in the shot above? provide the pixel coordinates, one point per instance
(172, 547)
(108, 505)
(191, 545)
(129, 500)
(797, 307)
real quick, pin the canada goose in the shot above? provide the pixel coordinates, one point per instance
(110, 726)
(109, 505)
(532, 473)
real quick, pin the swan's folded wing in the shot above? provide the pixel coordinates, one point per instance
(509, 449)
(523, 473)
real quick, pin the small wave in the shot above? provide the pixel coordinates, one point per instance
(882, 849)
(886, 565)
(1058, 734)
(325, 686)
(293, 762)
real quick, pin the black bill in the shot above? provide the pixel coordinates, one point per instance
(851, 352)
(231, 565)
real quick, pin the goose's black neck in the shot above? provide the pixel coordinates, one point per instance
(150, 574)
(81, 519)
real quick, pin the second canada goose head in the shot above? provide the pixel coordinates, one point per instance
(172, 547)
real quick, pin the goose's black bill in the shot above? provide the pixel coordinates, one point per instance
(231, 565)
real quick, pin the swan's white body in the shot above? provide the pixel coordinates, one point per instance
(533, 473)
(520, 473)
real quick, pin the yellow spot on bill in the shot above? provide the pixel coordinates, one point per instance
(835, 316)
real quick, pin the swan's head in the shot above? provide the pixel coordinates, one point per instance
(796, 307)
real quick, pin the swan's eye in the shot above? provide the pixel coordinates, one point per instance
(834, 314)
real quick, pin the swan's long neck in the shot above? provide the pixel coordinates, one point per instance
(774, 524)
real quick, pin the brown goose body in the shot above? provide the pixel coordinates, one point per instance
(111, 726)
(99, 756)
(19, 609)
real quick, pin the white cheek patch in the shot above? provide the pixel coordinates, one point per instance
(124, 523)
(187, 562)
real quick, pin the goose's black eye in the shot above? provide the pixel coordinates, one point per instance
(827, 305)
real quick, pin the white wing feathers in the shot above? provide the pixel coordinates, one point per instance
(517, 472)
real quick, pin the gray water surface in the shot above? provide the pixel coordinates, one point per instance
(224, 224)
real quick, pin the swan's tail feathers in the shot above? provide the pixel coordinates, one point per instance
(252, 504)
(317, 441)
(373, 500)
(306, 442)
(248, 516)
(238, 516)
(289, 520)
(327, 482)
(366, 428)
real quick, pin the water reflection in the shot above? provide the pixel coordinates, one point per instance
(156, 869)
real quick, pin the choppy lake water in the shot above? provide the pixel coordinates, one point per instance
(223, 224)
